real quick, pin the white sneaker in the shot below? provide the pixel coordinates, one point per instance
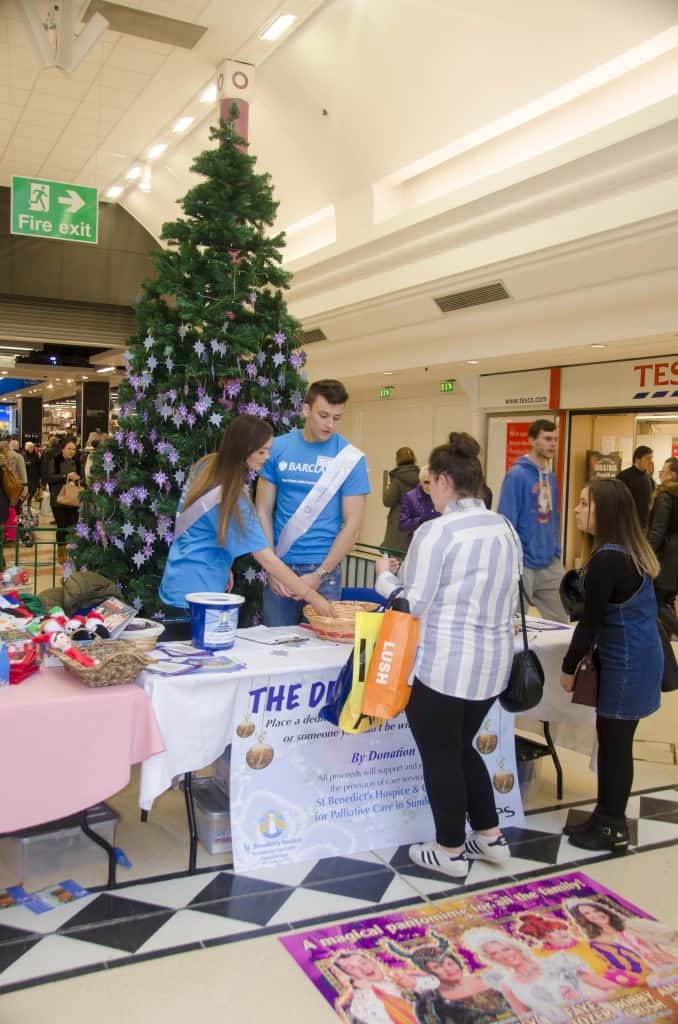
(495, 850)
(435, 858)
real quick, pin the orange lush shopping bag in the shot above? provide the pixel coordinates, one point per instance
(387, 687)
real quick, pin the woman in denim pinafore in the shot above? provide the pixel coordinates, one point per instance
(620, 618)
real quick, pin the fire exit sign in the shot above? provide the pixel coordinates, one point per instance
(54, 209)
(386, 392)
(446, 386)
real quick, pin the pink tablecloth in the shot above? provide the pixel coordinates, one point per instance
(65, 746)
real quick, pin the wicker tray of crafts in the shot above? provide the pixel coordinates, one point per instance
(342, 628)
(117, 662)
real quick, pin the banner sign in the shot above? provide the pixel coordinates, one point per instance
(300, 789)
(527, 389)
(632, 382)
(559, 950)
(517, 441)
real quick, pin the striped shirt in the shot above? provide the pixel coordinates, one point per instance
(460, 577)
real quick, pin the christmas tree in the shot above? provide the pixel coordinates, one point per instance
(214, 339)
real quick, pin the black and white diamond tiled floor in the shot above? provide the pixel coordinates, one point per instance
(157, 917)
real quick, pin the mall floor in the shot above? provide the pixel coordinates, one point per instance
(253, 978)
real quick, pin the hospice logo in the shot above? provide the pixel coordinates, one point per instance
(272, 824)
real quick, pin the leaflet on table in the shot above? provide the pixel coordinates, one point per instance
(43, 900)
(543, 625)
(194, 664)
(272, 636)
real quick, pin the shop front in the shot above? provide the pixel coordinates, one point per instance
(603, 412)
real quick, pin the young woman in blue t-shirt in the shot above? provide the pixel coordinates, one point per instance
(200, 557)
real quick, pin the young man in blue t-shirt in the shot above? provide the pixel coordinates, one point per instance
(296, 463)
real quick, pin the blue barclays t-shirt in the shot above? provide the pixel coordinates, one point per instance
(197, 562)
(294, 466)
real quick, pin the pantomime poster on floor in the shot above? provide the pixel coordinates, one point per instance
(558, 950)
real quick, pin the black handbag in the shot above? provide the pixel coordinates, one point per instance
(525, 687)
(585, 689)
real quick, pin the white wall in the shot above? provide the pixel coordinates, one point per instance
(380, 427)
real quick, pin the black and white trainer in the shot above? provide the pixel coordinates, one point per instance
(495, 850)
(436, 858)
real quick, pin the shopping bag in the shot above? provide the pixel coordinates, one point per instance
(387, 687)
(344, 709)
(353, 717)
(69, 495)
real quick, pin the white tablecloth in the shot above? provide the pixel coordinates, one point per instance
(196, 713)
(572, 725)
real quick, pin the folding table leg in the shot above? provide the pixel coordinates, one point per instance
(190, 814)
(96, 838)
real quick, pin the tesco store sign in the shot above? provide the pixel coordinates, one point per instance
(633, 382)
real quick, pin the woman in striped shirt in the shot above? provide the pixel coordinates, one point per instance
(460, 577)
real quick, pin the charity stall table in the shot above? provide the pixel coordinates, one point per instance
(299, 787)
(65, 746)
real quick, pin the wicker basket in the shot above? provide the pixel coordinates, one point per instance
(342, 628)
(144, 633)
(118, 661)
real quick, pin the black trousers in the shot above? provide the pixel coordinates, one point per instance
(615, 764)
(64, 517)
(456, 779)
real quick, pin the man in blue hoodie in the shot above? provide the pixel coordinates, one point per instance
(529, 499)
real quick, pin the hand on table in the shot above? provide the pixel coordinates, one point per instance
(567, 682)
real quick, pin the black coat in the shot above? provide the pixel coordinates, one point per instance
(663, 535)
(641, 487)
(56, 477)
(33, 468)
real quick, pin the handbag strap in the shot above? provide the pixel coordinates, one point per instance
(521, 588)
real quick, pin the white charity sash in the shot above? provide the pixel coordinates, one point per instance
(318, 497)
(191, 515)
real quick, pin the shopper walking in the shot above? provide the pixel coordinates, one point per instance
(460, 577)
(663, 533)
(397, 483)
(638, 479)
(33, 462)
(620, 617)
(530, 501)
(417, 506)
(64, 467)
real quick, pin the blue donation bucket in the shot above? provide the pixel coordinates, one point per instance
(214, 619)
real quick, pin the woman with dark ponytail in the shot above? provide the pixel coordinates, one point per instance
(460, 577)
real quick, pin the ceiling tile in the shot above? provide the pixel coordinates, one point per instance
(136, 60)
(25, 57)
(22, 78)
(34, 114)
(62, 104)
(56, 83)
(127, 79)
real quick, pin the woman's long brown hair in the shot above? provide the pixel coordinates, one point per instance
(227, 468)
(617, 522)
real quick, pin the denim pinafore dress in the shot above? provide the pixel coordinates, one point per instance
(631, 656)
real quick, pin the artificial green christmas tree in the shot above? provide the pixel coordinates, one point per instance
(214, 339)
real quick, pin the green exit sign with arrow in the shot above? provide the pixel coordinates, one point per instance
(54, 209)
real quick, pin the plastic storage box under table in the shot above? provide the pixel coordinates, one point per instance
(61, 851)
(212, 816)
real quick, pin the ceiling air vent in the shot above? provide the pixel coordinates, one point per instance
(472, 297)
(308, 337)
